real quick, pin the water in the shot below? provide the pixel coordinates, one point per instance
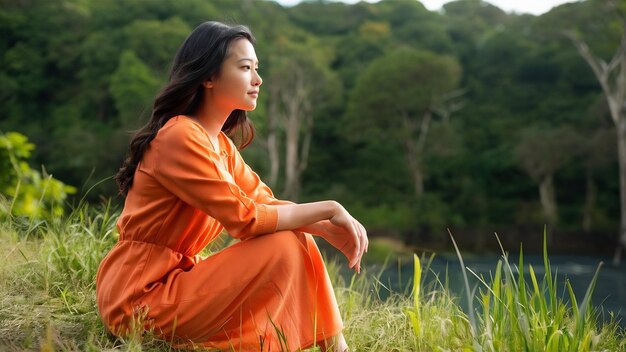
(609, 294)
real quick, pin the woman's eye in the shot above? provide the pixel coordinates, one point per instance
(247, 67)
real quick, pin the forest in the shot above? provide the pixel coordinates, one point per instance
(469, 118)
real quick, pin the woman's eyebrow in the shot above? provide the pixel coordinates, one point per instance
(247, 59)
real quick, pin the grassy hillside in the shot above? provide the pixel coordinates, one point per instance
(47, 302)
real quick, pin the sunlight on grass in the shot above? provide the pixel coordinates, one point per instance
(47, 300)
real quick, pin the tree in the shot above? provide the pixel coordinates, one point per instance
(132, 87)
(356, 50)
(412, 24)
(470, 23)
(155, 42)
(611, 76)
(541, 153)
(395, 100)
(299, 84)
(598, 152)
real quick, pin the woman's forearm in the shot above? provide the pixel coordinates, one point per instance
(316, 229)
(329, 220)
(295, 216)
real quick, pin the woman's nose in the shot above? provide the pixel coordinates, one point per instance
(257, 80)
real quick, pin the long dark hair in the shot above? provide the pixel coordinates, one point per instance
(198, 59)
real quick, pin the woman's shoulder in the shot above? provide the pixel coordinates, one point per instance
(180, 126)
(181, 133)
(181, 130)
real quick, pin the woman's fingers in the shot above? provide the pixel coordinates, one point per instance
(363, 242)
(366, 241)
(356, 243)
(360, 245)
(357, 246)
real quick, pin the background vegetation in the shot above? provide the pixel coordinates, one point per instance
(469, 118)
(415, 120)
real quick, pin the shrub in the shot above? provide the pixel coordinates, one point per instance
(32, 193)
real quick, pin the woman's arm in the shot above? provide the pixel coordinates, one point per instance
(293, 216)
(327, 219)
(341, 230)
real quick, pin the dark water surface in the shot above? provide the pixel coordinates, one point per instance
(609, 294)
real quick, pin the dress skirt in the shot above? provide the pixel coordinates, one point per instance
(268, 293)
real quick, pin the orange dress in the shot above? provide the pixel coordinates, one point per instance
(241, 298)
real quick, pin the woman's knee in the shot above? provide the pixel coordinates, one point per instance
(286, 247)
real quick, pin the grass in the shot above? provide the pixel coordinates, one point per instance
(47, 301)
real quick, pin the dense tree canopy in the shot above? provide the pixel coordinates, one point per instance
(498, 89)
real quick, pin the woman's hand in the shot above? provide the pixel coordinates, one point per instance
(346, 234)
(332, 222)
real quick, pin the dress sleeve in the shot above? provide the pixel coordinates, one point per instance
(251, 183)
(189, 167)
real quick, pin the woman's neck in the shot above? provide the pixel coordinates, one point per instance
(212, 118)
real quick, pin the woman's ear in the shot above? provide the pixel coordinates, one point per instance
(207, 84)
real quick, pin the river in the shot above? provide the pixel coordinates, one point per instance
(609, 294)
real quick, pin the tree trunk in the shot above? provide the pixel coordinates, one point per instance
(548, 203)
(615, 94)
(272, 143)
(306, 138)
(414, 149)
(415, 166)
(621, 144)
(590, 200)
(292, 176)
(297, 112)
(616, 106)
(297, 150)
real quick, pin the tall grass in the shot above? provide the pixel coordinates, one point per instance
(48, 279)
(47, 301)
(516, 315)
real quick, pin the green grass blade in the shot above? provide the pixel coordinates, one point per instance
(417, 280)
(586, 303)
(415, 323)
(521, 283)
(572, 297)
(470, 302)
(549, 281)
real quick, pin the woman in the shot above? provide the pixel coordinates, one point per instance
(184, 182)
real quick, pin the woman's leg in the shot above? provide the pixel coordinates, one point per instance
(336, 343)
(248, 290)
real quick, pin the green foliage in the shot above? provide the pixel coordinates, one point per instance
(132, 87)
(32, 193)
(542, 152)
(414, 82)
(155, 42)
(384, 217)
(77, 75)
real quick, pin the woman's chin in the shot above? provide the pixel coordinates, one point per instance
(250, 107)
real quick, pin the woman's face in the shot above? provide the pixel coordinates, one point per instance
(236, 86)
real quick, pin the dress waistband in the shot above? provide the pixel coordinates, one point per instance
(158, 245)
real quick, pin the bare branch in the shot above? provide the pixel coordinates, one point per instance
(421, 142)
(596, 64)
(448, 105)
(616, 58)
